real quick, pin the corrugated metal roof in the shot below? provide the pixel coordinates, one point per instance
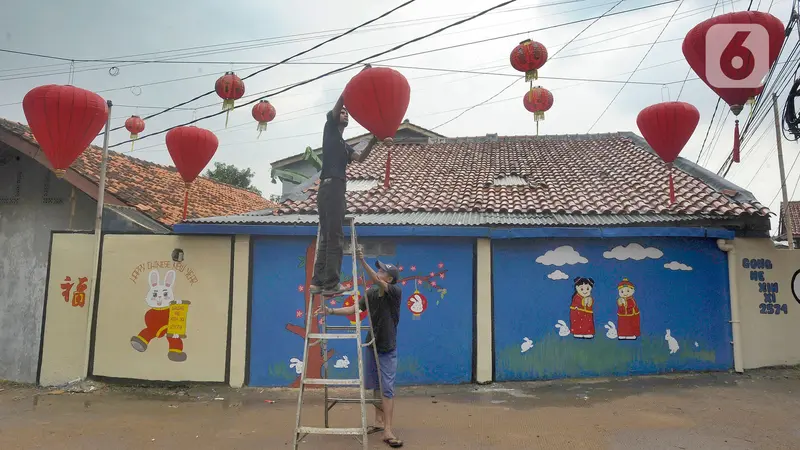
(465, 219)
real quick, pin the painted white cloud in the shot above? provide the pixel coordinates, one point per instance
(558, 275)
(560, 256)
(675, 265)
(633, 251)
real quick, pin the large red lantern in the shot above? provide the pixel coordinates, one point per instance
(417, 304)
(742, 47)
(538, 100)
(529, 56)
(230, 88)
(264, 113)
(377, 98)
(667, 127)
(191, 148)
(350, 301)
(64, 120)
(134, 125)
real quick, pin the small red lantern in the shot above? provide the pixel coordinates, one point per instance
(417, 304)
(736, 71)
(667, 127)
(377, 98)
(538, 100)
(230, 88)
(264, 113)
(134, 125)
(529, 56)
(64, 120)
(191, 148)
(350, 302)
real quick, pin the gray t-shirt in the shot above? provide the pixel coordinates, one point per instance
(384, 315)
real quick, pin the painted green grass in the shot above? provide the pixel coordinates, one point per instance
(282, 371)
(560, 357)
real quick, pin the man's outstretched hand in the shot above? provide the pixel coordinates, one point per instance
(360, 253)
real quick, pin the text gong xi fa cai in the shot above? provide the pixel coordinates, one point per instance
(188, 272)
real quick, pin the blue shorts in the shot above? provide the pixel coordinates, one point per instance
(388, 363)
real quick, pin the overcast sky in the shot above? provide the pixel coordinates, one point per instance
(274, 30)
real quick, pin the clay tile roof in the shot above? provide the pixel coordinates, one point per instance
(575, 174)
(156, 190)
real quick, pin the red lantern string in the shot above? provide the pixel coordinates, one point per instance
(736, 142)
(671, 186)
(186, 201)
(388, 168)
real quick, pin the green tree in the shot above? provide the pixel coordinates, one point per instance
(230, 174)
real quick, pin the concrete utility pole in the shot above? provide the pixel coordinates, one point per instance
(787, 218)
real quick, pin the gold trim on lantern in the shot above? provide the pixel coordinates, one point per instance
(532, 75)
(538, 115)
(59, 173)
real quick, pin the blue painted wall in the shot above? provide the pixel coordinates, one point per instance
(435, 348)
(530, 298)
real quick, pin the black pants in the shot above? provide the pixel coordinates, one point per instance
(331, 206)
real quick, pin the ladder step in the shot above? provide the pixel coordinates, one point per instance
(355, 400)
(332, 381)
(331, 336)
(346, 327)
(337, 431)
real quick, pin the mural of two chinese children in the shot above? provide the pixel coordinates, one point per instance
(581, 311)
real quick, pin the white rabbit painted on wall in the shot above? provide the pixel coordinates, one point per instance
(159, 297)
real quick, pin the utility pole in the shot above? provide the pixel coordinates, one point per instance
(787, 218)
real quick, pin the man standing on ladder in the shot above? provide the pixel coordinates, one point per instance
(331, 204)
(384, 298)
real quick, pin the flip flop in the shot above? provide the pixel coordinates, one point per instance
(373, 429)
(393, 442)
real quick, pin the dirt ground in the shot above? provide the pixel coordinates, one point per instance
(757, 410)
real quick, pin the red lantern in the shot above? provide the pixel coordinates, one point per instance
(667, 127)
(134, 125)
(350, 302)
(538, 100)
(191, 149)
(263, 112)
(230, 88)
(529, 56)
(64, 120)
(377, 98)
(417, 304)
(735, 85)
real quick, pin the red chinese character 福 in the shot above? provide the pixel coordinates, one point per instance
(66, 286)
(79, 297)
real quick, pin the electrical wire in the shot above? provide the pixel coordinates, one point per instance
(635, 69)
(499, 5)
(714, 11)
(697, 160)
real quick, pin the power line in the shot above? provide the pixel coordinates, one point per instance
(500, 5)
(696, 161)
(714, 11)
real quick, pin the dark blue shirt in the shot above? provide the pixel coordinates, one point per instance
(384, 315)
(336, 154)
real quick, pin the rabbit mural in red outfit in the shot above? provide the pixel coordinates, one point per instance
(159, 298)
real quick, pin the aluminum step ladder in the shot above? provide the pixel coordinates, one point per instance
(344, 332)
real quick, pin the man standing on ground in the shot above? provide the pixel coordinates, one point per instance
(384, 306)
(336, 155)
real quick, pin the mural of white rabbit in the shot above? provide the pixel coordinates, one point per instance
(673, 344)
(342, 363)
(563, 329)
(612, 330)
(527, 344)
(297, 365)
(156, 319)
(416, 304)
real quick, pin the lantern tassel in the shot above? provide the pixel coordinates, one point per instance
(671, 187)
(227, 115)
(186, 202)
(262, 126)
(736, 142)
(132, 143)
(532, 75)
(388, 169)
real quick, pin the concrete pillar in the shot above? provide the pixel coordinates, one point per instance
(483, 310)
(241, 281)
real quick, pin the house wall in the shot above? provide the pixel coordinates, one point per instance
(435, 347)
(63, 347)
(681, 286)
(33, 202)
(138, 272)
(767, 284)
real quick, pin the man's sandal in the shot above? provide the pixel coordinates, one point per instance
(393, 442)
